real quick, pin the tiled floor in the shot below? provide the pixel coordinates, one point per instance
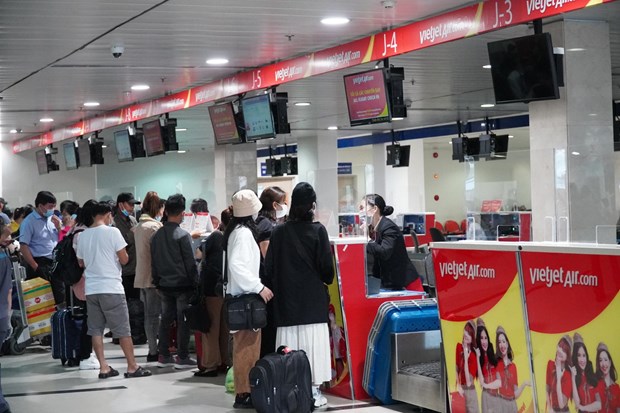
(34, 383)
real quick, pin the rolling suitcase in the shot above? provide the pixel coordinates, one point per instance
(66, 330)
(282, 383)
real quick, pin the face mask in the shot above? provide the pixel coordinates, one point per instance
(158, 219)
(254, 216)
(49, 213)
(281, 213)
(73, 216)
(125, 212)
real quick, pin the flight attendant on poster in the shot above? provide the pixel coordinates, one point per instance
(487, 369)
(467, 368)
(559, 384)
(509, 390)
(586, 392)
(607, 375)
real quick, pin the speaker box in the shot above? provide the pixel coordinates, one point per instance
(280, 115)
(396, 93)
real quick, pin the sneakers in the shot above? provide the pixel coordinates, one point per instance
(165, 361)
(186, 363)
(90, 363)
(243, 401)
(152, 357)
(319, 399)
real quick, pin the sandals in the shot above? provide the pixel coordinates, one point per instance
(140, 372)
(111, 373)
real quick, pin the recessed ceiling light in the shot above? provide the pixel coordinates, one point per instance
(91, 104)
(217, 61)
(46, 120)
(302, 104)
(332, 128)
(398, 118)
(180, 129)
(181, 151)
(576, 49)
(486, 66)
(104, 146)
(487, 105)
(510, 136)
(13, 131)
(335, 21)
(140, 87)
(575, 153)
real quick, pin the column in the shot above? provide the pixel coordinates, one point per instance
(318, 165)
(571, 142)
(239, 169)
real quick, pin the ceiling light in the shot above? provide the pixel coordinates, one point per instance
(104, 146)
(575, 153)
(217, 61)
(332, 128)
(91, 104)
(46, 120)
(576, 49)
(140, 87)
(486, 66)
(398, 118)
(302, 104)
(487, 105)
(181, 151)
(335, 21)
(180, 129)
(510, 136)
(13, 131)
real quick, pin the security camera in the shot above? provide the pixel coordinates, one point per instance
(117, 50)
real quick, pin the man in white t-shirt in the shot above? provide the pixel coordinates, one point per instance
(101, 251)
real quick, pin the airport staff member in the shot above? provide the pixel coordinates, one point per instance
(390, 260)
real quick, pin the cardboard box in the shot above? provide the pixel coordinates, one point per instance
(37, 294)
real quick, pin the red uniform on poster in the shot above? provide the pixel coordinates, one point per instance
(509, 378)
(608, 375)
(460, 365)
(565, 383)
(467, 368)
(586, 387)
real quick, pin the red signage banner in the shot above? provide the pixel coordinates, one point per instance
(482, 17)
(572, 305)
(483, 327)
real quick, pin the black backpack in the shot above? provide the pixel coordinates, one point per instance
(282, 383)
(65, 264)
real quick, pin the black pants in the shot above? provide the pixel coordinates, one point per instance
(58, 286)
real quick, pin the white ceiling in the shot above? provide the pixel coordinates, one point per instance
(55, 55)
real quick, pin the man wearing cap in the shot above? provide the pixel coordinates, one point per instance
(175, 276)
(125, 221)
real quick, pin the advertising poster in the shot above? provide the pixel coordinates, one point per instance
(367, 97)
(483, 329)
(573, 307)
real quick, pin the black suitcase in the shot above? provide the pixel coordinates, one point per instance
(66, 328)
(282, 383)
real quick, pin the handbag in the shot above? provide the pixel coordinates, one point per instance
(244, 311)
(196, 315)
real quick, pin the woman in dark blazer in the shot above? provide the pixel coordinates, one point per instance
(390, 260)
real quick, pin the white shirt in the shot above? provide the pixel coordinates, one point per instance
(97, 248)
(243, 257)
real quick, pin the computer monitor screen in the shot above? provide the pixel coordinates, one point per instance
(123, 146)
(153, 138)
(42, 162)
(523, 69)
(224, 124)
(367, 97)
(70, 155)
(84, 153)
(258, 118)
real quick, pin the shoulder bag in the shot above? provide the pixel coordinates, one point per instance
(196, 315)
(244, 311)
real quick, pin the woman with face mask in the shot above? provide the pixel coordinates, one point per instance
(274, 209)
(390, 261)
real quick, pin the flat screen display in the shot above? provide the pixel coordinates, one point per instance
(123, 146)
(84, 153)
(70, 155)
(367, 97)
(42, 162)
(224, 125)
(523, 69)
(153, 138)
(258, 118)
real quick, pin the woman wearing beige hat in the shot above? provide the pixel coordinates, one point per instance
(586, 392)
(467, 368)
(607, 375)
(559, 387)
(509, 390)
(487, 369)
(243, 262)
